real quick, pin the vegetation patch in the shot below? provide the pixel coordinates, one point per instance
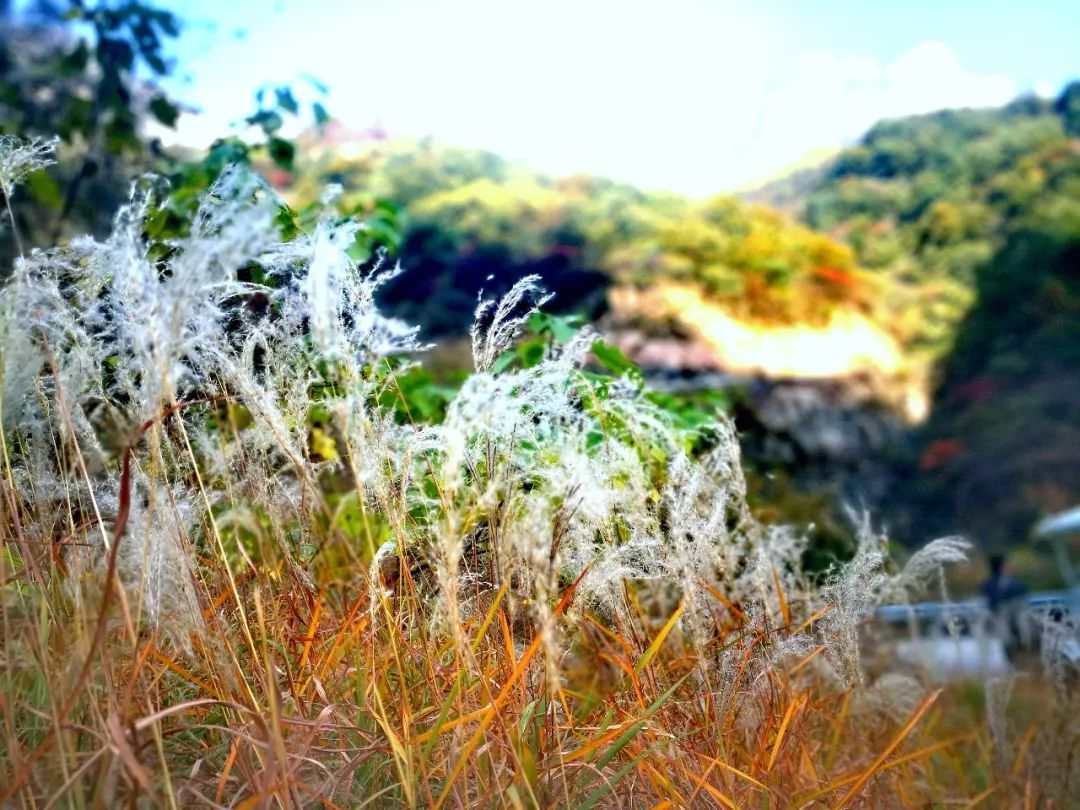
(240, 568)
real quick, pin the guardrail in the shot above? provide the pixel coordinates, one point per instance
(947, 626)
(1056, 604)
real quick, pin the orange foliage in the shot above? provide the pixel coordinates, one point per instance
(940, 452)
(835, 276)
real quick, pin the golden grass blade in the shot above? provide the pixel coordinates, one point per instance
(723, 799)
(979, 799)
(794, 706)
(902, 735)
(1018, 762)
(785, 609)
(659, 640)
(807, 659)
(733, 770)
(309, 636)
(490, 617)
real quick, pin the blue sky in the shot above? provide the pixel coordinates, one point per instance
(684, 95)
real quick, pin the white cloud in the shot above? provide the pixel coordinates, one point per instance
(830, 99)
(1044, 88)
(689, 97)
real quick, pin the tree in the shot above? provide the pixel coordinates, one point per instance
(1068, 107)
(75, 70)
(1002, 446)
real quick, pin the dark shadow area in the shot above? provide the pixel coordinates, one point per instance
(441, 281)
(1002, 446)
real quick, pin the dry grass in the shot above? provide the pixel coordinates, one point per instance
(233, 575)
(332, 695)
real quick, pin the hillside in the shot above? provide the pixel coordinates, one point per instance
(925, 201)
(890, 261)
(470, 220)
(970, 219)
(894, 228)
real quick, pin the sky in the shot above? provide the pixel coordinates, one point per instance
(690, 96)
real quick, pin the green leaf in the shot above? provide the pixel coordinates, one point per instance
(322, 117)
(115, 53)
(531, 353)
(164, 111)
(156, 63)
(564, 327)
(225, 151)
(611, 358)
(75, 62)
(285, 219)
(282, 152)
(502, 362)
(44, 188)
(267, 120)
(359, 251)
(561, 327)
(167, 22)
(286, 100)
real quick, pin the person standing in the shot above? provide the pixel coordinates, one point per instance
(1006, 597)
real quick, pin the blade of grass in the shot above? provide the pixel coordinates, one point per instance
(785, 609)
(733, 770)
(794, 706)
(594, 798)
(902, 735)
(1018, 762)
(309, 636)
(444, 712)
(720, 797)
(986, 794)
(628, 735)
(658, 641)
(496, 602)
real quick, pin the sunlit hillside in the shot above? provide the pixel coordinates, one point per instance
(468, 215)
(848, 344)
(926, 201)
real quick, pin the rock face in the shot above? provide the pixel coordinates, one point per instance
(825, 435)
(832, 437)
(823, 420)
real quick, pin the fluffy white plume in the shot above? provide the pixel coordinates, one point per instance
(20, 157)
(221, 388)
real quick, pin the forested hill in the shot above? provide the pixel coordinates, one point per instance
(469, 219)
(894, 228)
(971, 220)
(926, 201)
(952, 233)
